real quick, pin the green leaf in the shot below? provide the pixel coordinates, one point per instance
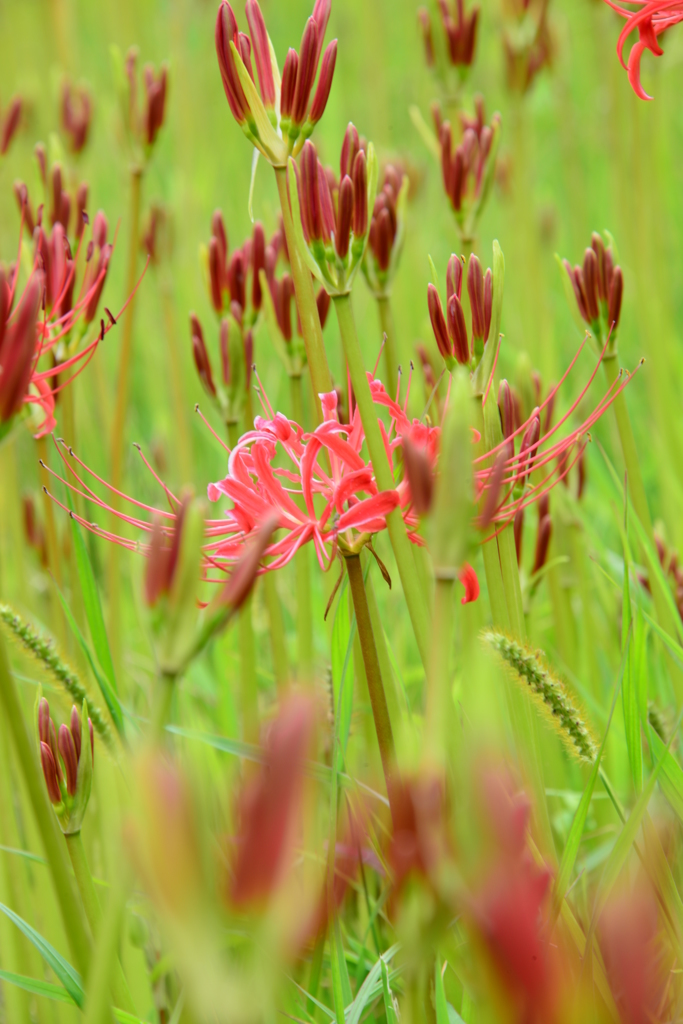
(37, 987)
(68, 976)
(453, 1015)
(371, 987)
(629, 691)
(110, 698)
(343, 633)
(571, 848)
(389, 1007)
(91, 602)
(440, 994)
(671, 775)
(341, 983)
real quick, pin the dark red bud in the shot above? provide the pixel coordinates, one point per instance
(81, 207)
(220, 234)
(350, 147)
(258, 262)
(383, 240)
(10, 124)
(323, 302)
(518, 529)
(427, 38)
(581, 483)
(50, 772)
(488, 303)
(438, 322)
(528, 452)
(44, 721)
(454, 277)
(344, 216)
(457, 330)
(238, 587)
(227, 32)
(419, 475)
(616, 293)
(322, 92)
(310, 195)
(545, 529)
(360, 196)
(475, 289)
(67, 749)
(598, 247)
(18, 349)
(326, 182)
(215, 275)
(237, 281)
(75, 726)
(590, 278)
(308, 65)
(23, 202)
(201, 356)
(259, 39)
(289, 73)
(56, 193)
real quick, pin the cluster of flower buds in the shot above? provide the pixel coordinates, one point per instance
(331, 218)
(235, 279)
(278, 295)
(450, 331)
(598, 288)
(9, 122)
(143, 121)
(236, 359)
(76, 114)
(468, 168)
(61, 205)
(67, 759)
(278, 117)
(668, 559)
(527, 42)
(387, 228)
(460, 31)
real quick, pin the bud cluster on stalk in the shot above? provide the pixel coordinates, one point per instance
(450, 331)
(279, 115)
(9, 122)
(527, 42)
(76, 115)
(143, 103)
(459, 32)
(468, 167)
(598, 289)
(67, 757)
(387, 230)
(331, 214)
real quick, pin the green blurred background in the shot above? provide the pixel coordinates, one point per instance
(579, 152)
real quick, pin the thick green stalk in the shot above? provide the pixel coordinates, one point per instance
(91, 905)
(439, 698)
(302, 565)
(638, 496)
(321, 378)
(98, 999)
(386, 319)
(72, 917)
(378, 700)
(118, 428)
(415, 597)
(277, 631)
(247, 648)
(395, 699)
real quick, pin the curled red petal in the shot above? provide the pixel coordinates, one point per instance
(470, 582)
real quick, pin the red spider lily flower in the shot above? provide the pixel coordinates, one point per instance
(649, 19)
(270, 806)
(468, 167)
(293, 108)
(234, 279)
(28, 336)
(9, 122)
(76, 113)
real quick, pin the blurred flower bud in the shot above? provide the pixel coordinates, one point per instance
(76, 114)
(67, 763)
(9, 124)
(419, 474)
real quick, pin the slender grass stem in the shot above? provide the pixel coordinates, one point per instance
(414, 595)
(378, 700)
(72, 917)
(176, 377)
(386, 319)
(321, 379)
(638, 496)
(98, 999)
(91, 905)
(121, 408)
(277, 631)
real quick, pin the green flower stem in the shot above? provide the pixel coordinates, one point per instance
(491, 554)
(396, 701)
(277, 631)
(15, 951)
(439, 698)
(321, 378)
(53, 559)
(247, 648)
(98, 999)
(302, 566)
(118, 428)
(405, 560)
(378, 700)
(161, 708)
(167, 302)
(386, 319)
(72, 916)
(91, 905)
(639, 499)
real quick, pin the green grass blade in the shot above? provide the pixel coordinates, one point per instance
(389, 1005)
(69, 977)
(37, 987)
(343, 632)
(571, 848)
(92, 604)
(371, 987)
(440, 994)
(671, 775)
(341, 983)
(110, 697)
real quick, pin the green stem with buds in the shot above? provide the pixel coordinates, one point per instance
(405, 560)
(386, 319)
(91, 905)
(378, 700)
(321, 378)
(302, 565)
(638, 496)
(72, 917)
(114, 584)
(247, 648)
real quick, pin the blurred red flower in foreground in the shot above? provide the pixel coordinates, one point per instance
(650, 18)
(629, 942)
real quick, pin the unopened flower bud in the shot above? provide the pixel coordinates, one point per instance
(24, 204)
(289, 73)
(457, 330)
(201, 356)
(344, 216)
(475, 289)
(616, 293)
(427, 38)
(545, 529)
(227, 32)
(322, 92)
(308, 64)
(258, 262)
(215, 275)
(323, 302)
(360, 195)
(75, 726)
(350, 147)
(67, 749)
(454, 277)
(259, 36)
(590, 280)
(50, 773)
(18, 349)
(420, 476)
(310, 194)
(243, 576)
(518, 530)
(528, 452)
(10, 124)
(598, 247)
(438, 322)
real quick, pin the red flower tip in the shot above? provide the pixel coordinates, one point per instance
(470, 582)
(49, 767)
(67, 749)
(259, 40)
